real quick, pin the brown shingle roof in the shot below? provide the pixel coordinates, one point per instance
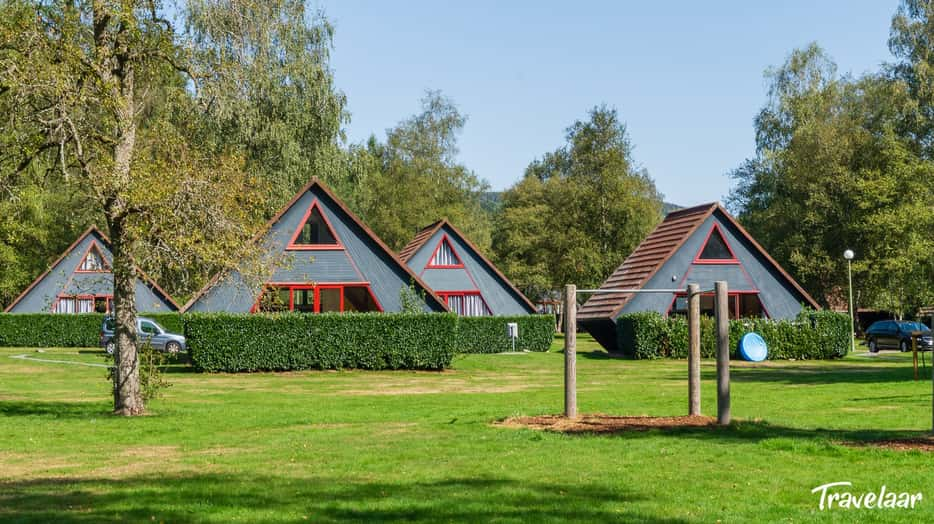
(428, 231)
(420, 238)
(658, 248)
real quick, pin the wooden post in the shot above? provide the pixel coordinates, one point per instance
(914, 351)
(570, 351)
(723, 352)
(694, 391)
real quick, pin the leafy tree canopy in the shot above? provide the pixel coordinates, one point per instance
(579, 211)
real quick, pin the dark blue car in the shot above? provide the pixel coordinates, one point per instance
(896, 334)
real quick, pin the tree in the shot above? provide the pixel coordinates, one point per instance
(579, 211)
(94, 91)
(262, 77)
(911, 41)
(418, 179)
(835, 171)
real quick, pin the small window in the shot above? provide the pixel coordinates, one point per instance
(315, 231)
(358, 298)
(445, 256)
(100, 304)
(149, 328)
(716, 248)
(304, 300)
(330, 300)
(93, 260)
(65, 305)
(85, 305)
(469, 304)
(750, 306)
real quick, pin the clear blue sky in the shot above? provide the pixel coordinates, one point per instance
(686, 77)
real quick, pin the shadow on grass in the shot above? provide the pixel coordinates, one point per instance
(19, 408)
(830, 373)
(186, 498)
(603, 355)
(757, 431)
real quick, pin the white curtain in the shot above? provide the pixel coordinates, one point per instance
(444, 256)
(474, 306)
(467, 305)
(65, 305)
(456, 304)
(85, 305)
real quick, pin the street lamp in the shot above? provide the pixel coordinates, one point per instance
(848, 255)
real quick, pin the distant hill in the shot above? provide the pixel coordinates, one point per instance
(491, 200)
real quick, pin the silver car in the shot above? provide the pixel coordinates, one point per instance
(147, 330)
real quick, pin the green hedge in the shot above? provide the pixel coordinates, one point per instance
(488, 334)
(289, 341)
(812, 335)
(44, 330)
(172, 322)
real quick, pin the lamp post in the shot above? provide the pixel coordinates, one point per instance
(848, 255)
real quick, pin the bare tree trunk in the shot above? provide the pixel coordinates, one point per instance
(127, 398)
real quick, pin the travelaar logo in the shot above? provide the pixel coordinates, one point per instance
(830, 498)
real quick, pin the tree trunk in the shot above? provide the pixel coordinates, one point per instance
(118, 74)
(127, 398)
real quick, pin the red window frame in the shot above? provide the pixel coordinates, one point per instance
(472, 293)
(732, 296)
(105, 268)
(699, 260)
(108, 298)
(460, 261)
(292, 246)
(292, 287)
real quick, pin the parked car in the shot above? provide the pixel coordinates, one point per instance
(147, 330)
(896, 334)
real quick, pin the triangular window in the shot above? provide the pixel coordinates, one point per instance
(716, 249)
(445, 256)
(93, 260)
(315, 232)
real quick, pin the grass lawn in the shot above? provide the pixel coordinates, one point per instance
(407, 446)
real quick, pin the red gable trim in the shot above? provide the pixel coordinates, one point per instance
(444, 240)
(731, 260)
(292, 246)
(105, 267)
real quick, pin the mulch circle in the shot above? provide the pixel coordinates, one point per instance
(903, 444)
(599, 423)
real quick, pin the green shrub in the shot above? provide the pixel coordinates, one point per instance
(44, 330)
(289, 341)
(488, 334)
(171, 321)
(812, 335)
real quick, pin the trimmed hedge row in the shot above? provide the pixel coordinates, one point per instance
(488, 334)
(289, 341)
(44, 330)
(812, 335)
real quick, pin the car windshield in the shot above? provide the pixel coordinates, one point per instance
(913, 326)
